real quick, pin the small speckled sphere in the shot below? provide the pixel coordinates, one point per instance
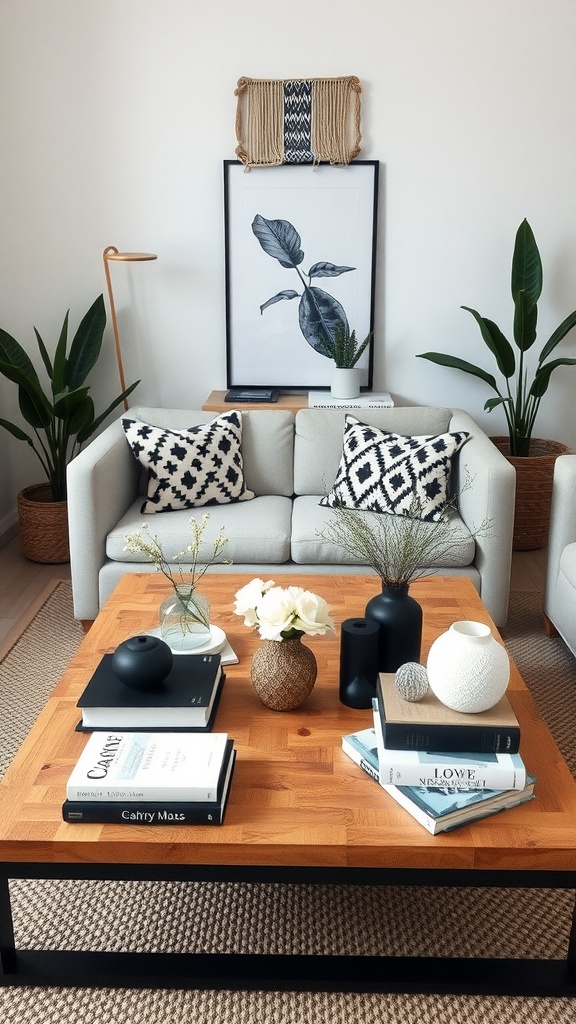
(412, 681)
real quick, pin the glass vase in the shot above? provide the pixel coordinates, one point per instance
(185, 619)
(399, 618)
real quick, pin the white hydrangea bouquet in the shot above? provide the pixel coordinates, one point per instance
(282, 613)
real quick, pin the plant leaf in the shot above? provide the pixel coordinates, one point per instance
(83, 435)
(543, 374)
(320, 314)
(324, 269)
(497, 342)
(59, 373)
(17, 432)
(459, 364)
(526, 265)
(11, 352)
(86, 344)
(525, 320)
(557, 336)
(34, 405)
(288, 294)
(279, 239)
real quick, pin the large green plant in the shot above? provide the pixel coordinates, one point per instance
(521, 397)
(62, 416)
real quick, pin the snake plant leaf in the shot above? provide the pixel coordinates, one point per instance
(86, 345)
(543, 374)
(497, 342)
(525, 321)
(320, 314)
(324, 269)
(455, 363)
(289, 293)
(526, 265)
(557, 336)
(279, 239)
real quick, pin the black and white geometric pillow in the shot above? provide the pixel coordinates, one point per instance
(187, 468)
(394, 473)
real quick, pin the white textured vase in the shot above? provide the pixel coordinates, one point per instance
(345, 382)
(468, 669)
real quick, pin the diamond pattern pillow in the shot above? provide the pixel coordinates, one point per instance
(187, 468)
(394, 473)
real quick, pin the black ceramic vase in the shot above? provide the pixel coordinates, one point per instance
(142, 662)
(399, 618)
(358, 662)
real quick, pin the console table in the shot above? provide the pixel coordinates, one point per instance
(215, 403)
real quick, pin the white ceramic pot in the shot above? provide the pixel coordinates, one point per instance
(345, 383)
(468, 669)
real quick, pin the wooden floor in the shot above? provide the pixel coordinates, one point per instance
(21, 582)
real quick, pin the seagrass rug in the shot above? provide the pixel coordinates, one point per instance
(280, 918)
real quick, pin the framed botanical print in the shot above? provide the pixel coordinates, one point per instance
(300, 266)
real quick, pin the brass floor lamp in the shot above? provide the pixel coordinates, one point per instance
(111, 253)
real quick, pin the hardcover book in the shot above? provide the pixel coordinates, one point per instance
(428, 724)
(444, 808)
(132, 812)
(148, 767)
(186, 699)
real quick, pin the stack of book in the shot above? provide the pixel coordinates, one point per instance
(186, 699)
(151, 778)
(445, 768)
(367, 400)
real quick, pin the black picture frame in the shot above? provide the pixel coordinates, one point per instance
(326, 218)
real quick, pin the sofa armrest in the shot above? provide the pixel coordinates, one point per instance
(562, 524)
(102, 484)
(486, 482)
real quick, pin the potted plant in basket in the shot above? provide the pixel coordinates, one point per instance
(521, 393)
(62, 418)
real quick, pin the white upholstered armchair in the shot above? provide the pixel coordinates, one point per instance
(560, 591)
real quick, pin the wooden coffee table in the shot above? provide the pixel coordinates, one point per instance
(299, 811)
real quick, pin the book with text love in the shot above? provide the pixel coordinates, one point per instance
(133, 812)
(148, 766)
(428, 724)
(438, 810)
(186, 698)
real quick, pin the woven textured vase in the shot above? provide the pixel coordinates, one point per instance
(283, 673)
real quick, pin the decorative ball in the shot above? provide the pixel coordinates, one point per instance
(412, 681)
(142, 662)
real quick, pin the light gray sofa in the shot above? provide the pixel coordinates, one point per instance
(290, 463)
(560, 588)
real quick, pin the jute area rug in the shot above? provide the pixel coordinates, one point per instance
(280, 918)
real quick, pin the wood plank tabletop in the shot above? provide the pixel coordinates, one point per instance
(296, 799)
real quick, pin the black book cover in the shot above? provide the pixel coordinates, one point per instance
(170, 812)
(191, 690)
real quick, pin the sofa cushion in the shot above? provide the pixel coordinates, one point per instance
(309, 518)
(396, 473)
(189, 468)
(258, 531)
(318, 438)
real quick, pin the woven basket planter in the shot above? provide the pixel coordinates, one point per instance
(43, 525)
(534, 476)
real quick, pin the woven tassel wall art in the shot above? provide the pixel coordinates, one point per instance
(297, 121)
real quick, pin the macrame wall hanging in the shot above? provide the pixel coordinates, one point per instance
(296, 121)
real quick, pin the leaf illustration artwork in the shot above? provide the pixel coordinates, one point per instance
(320, 315)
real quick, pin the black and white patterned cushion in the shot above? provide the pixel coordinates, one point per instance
(187, 468)
(394, 473)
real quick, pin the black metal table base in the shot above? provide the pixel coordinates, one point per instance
(314, 973)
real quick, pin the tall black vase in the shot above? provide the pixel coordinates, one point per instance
(399, 618)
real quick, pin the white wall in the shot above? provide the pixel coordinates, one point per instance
(116, 117)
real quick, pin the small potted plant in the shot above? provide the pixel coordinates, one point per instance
(62, 418)
(344, 348)
(519, 396)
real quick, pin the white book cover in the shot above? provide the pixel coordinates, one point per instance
(458, 770)
(367, 400)
(148, 766)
